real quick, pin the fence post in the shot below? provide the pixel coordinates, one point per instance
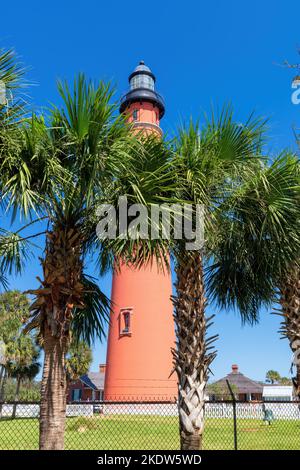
(234, 416)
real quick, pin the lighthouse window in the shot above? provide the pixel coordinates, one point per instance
(125, 322)
(135, 115)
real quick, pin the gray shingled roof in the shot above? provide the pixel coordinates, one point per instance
(242, 383)
(94, 380)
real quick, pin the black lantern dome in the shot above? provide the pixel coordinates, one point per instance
(142, 88)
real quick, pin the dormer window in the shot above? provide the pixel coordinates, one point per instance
(125, 322)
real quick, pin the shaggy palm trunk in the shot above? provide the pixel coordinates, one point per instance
(290, 304)
(16, 397)
(53, 394)
(61, 291)
(191, 357)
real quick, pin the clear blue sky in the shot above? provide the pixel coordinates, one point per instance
(202, 53)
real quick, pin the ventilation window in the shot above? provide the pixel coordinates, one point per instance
(135, 115)
(125, 322)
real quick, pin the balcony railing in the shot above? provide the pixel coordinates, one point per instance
(148, 125)
(142, 94)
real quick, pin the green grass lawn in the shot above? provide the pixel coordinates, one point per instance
(151, 432)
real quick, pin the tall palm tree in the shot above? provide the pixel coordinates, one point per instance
(211, 162)
(289, 288)
(258, 263)
(68, 159)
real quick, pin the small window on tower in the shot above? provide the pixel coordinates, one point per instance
(125, 322)
(126, 328)
(135, 115)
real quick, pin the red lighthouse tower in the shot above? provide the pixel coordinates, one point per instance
(141, 333)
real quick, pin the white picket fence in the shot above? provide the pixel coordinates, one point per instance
(155, 409)
(219, 410)
(33, 411)
(282, 410)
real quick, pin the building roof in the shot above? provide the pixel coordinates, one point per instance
(93, 380)
(142, 67)
(241, 382)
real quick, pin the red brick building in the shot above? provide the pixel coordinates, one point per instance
(89, 387)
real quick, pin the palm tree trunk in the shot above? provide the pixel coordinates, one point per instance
(290, 328)
(61, 291)
(16, 397)
(191, 359)
(53, 393)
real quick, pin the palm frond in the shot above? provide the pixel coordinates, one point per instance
(235, 140)
(258, 238)
(12, 104)
(15, 251)
(34, 173)
(11, 71)
(88, 323)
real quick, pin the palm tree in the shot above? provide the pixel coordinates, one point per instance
(68, 162)
(290, 307)
(211, 162)
(288, 285)
(272, 376)
(258, 263)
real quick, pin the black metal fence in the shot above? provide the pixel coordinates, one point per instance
(154, 426)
